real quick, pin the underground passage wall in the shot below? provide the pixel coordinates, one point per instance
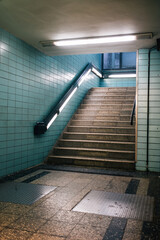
(30, 84)
(154, 111)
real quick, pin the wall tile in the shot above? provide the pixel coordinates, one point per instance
(30, 84)
(154, 116)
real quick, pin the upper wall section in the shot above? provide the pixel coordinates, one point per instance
(154, 111)
(30, 84)
(118, 82)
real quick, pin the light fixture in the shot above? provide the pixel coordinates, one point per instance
(67, 100)
(96, 72)
(97, 40)
(127, 75)
(100, 40)
(83, 77)
(52, 120)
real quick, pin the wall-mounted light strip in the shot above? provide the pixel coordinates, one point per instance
(96, 72)
(127, 75)
(42, 127)
(67, 100)
(83, 77)
(52, 120)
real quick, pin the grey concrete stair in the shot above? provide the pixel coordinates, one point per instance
(96, 144)
(91, 162)
(100, 123)
(99, 129)
(99, 134)
(101, 117)
(100, 153)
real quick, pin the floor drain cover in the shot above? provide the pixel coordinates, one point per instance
(117, 205)
(23, 193)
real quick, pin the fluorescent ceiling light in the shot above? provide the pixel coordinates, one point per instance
(67, 100)
(97, 40)
(52, 120)
(96, 72)
(127, 75)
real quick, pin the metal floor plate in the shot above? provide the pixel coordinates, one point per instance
(117, 205)
(23, 193)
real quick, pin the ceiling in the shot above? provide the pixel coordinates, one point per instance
(38, 20)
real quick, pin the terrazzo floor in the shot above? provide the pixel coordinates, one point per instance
(52, 218)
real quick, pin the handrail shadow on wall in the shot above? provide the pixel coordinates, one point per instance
(42, 127)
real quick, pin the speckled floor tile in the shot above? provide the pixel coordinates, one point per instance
(17, 209)
(81, 232)
(52, 218)
(4, 205)
(95, 220)
(41, 212)
(7, 219)
(28, 224)
(37, 236)
(131, 236)
(1, 228)
(143, 186)
(55, 178)
(117, 184)
(56, 228)
(68, 216)
(74, 201)
(133, 226)
(13, 234)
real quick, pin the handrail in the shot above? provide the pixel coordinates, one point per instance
(133, 111)
(42, 127)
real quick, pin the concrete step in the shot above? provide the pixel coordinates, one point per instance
(91, 162)
(97, 129)
(102, 117)
(111, 101)
(97, 144)
(104, 111)
(114, 89)
(99, 136)
(100, 133)
(100, 123)
(121, 94)
(99, 153)
(111, 97)
(107, 106)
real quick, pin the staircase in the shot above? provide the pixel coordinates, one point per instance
(99, 134)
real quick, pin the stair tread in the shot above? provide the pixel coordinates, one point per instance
(131, 127)
(95, 141)
(105, 134)
(94, 149)
(95, 120)
(91, 158)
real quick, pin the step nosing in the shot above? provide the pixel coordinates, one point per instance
(94, 141)
(121, 134)
(92, 159)
(94, 150)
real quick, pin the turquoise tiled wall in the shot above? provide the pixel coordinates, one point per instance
(118, 82)
(154, 116)
(30, 84)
